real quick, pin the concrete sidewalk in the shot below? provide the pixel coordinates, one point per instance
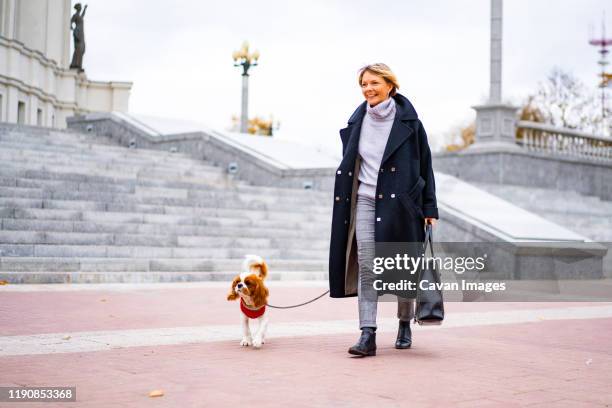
(116, 343)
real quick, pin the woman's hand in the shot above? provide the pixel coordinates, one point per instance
(431, 221)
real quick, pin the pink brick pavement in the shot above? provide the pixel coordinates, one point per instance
(50, 312)
(562, 363)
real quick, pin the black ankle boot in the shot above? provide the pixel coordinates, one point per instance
(404, 336)
(366, 345)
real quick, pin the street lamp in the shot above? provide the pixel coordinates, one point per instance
(243, 59)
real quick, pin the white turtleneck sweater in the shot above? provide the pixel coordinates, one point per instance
(375, 130)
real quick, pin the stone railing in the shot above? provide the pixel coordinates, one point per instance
(539, 137)
(540, 156)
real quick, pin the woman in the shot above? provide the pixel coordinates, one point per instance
(384, 192)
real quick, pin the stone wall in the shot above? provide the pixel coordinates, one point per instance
(529, 169)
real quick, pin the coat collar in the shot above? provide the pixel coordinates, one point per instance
(400, 131)
(404, 110)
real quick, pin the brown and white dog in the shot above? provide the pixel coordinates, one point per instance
(250, 288)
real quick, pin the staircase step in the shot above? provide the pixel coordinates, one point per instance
(164, 219)
(14, 152)
(11, 224)
(163, 200)
(43, 143)
(212, 264)
(61, 172)
(100, 251)
(160, 240)
(151, 187)
(27, 277)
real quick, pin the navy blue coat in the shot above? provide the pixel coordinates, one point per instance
(405, 192)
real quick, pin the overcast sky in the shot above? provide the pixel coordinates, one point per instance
(178, 55)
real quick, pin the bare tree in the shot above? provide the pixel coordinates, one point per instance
(564, 101)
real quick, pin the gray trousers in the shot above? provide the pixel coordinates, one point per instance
(366, 294)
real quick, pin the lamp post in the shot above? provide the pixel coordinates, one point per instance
(274, 125)
(243, 59)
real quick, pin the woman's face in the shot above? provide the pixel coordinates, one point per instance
(374, 88)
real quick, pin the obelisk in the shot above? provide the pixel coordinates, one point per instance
(495, 86)
(495, 121)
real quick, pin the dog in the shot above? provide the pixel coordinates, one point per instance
(249, 287)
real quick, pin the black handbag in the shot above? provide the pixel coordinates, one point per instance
(429, 303)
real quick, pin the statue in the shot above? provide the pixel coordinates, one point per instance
(78, 33)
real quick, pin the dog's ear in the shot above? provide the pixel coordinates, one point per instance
(260, 295)
(233, 295)
(263, 270)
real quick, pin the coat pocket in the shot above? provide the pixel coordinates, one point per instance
(409, 199)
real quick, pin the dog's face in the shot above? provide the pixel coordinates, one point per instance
(250, 286)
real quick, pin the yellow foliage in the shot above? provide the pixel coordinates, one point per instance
(468, 135)
(256, 126)
(260, 126)
(530, 113)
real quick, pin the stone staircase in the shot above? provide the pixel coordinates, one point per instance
(586, 215)
(74, 208)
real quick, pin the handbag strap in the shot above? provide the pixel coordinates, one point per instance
(428, 239)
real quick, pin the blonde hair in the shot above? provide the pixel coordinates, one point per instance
(381, 70)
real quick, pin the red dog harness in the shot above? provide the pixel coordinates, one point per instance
(251, 313)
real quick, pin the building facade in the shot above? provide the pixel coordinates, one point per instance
(36, 85)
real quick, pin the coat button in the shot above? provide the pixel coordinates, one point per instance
(378, 219)
(392, 195)
(350, 173)
(337, 198)
(347, 199)
(381, 169)
(392, 168)
(339, 172)
(345, 222)
(380, 196)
